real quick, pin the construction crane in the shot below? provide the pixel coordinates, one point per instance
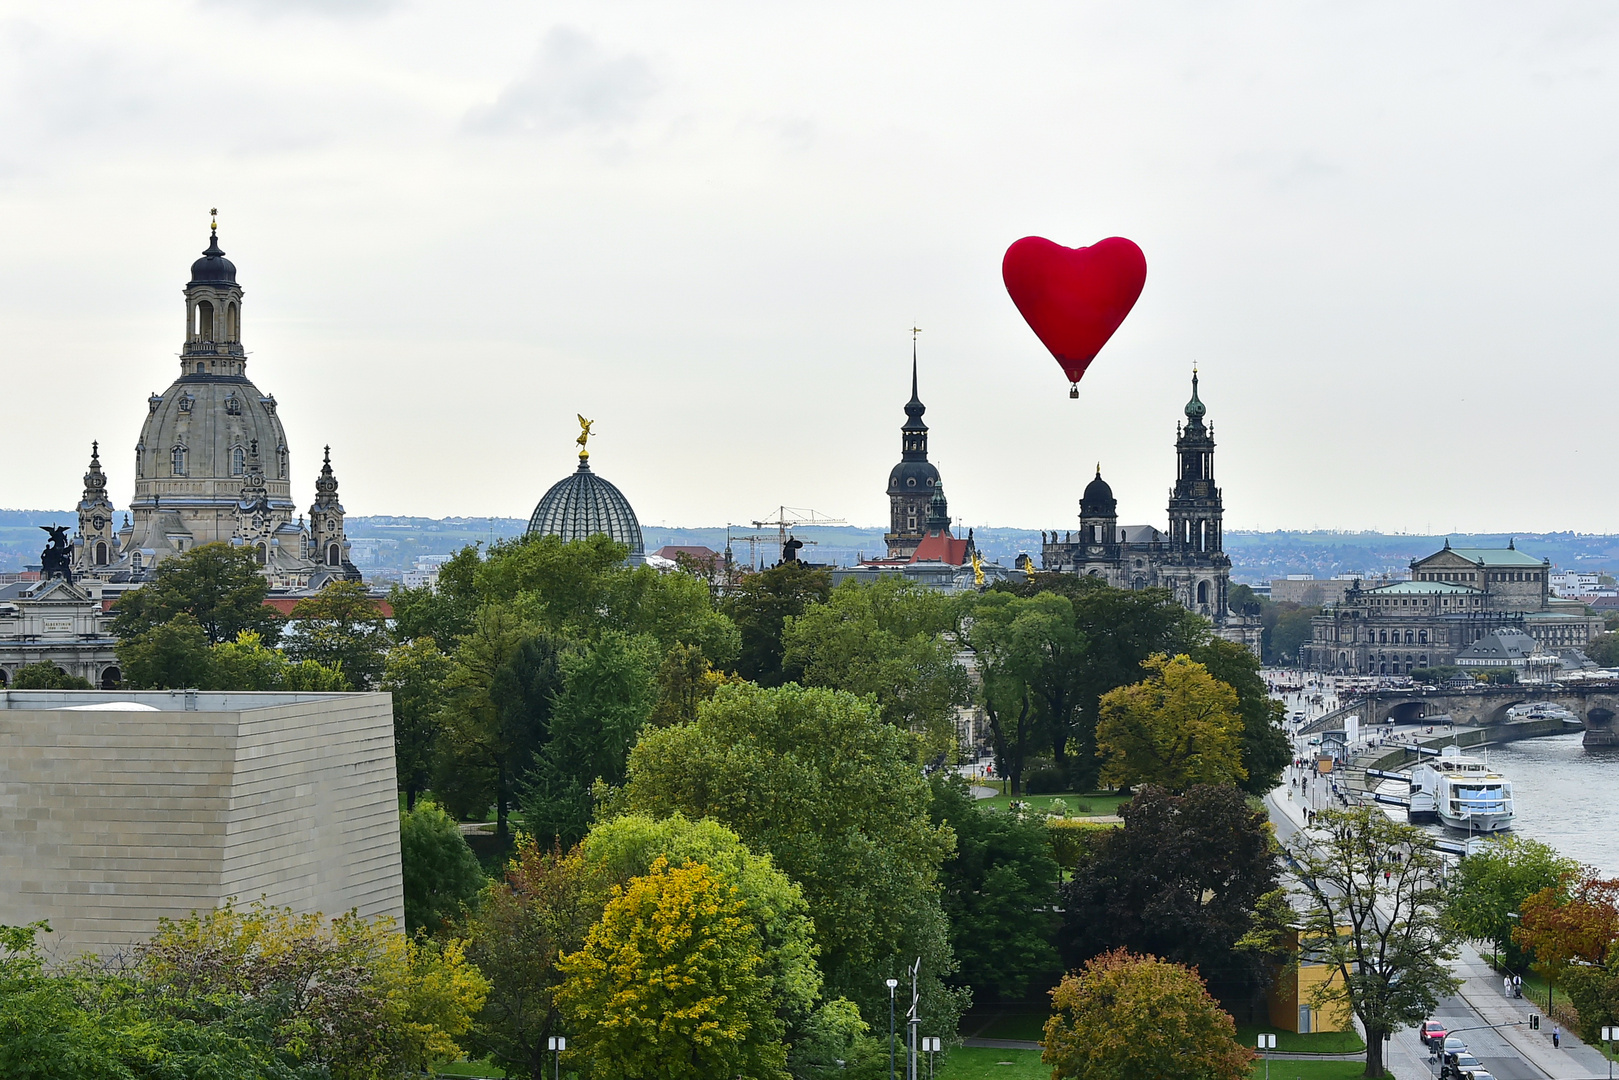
(788, 517)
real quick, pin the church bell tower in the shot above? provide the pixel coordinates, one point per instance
(1194, 504)
(97, 550)
(911, 483)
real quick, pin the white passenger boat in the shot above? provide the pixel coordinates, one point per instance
(1464, 793)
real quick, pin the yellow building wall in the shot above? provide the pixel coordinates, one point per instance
(1295, 988)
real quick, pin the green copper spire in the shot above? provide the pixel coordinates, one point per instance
(1195, 408)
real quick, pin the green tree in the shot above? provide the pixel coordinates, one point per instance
(1573, 922)
(627, 847)
(45, 675)
(1000, 895)
(497, 711)
(1266, 749)
(1126, 1016)
(416, 673)
(443, 611)
(885, 638)
(1373, 914)
(670, 983)
(760, 606)
(686, 679)
(350, 996)
(1290, 629)
(1604, 649)
(816, 779)
(1186, 879)
(248, 664)
(1487, 889)
(172, 655)
(441, 874)
(341, 628)
(1177, 727)
(608, 690)
(217, 585)
(581, 589)
(521, 928)
(1119, 629)
(1024, 644)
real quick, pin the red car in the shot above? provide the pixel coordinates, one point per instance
(1433, 1033)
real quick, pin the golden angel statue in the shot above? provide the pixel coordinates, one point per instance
(978, 570)
(584, 436)
(1028, 570)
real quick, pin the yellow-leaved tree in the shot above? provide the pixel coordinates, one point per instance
(1178, 727)
(671, 983)
(1124, 1015)
(352, 996)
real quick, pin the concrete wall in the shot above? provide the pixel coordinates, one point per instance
(110, 820)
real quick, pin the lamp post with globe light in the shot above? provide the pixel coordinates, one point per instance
(892, 983)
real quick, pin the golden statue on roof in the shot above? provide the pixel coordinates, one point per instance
(584, 436)
(978, 569)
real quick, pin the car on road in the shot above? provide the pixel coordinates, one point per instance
(1477, 1074)
(1452, 1045)
(1457, 1066)
(1432, 1031)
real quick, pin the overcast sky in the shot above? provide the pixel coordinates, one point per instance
(1385, 232)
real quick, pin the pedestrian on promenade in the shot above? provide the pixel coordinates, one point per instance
(1506, 986)
(1557, 1037)
(1517, 986)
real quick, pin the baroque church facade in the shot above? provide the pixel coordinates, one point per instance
(212, 464)
(1189, 559)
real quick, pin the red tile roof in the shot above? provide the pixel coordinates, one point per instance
(941, 547)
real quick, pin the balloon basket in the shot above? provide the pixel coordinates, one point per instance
(1073, 390)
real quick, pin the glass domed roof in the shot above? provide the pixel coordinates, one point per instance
(584, 505)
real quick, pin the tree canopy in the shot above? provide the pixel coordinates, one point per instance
(815, 778)
(217, 585)
(1125, 1016)
(1176, 728)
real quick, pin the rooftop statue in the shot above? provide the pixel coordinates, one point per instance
(56, 560)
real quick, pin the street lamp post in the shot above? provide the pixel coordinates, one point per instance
(1267, 1043)
(558, 1043)
(1610, 1035)
(892, 1075)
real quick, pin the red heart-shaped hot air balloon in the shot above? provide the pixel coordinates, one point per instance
(1074, 298)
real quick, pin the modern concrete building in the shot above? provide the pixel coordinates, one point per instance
(119, 808)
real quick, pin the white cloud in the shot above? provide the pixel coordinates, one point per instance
(572, 82)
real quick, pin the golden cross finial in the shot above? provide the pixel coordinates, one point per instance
(584, 435)
(915, 330)
(213, 214)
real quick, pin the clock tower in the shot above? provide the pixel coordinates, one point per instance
(97, 551)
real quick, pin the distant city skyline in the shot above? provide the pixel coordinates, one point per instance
(1383, 233)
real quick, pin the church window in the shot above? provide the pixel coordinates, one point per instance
(187, 400)
(238, 461)
(233, 406)
(1422, 639)
(1383, 636)
(101, 553)
(263, 554)
(1202, 592)
(1409, 638)
(911, 523)
(177, 461)
(232, 326)
(204, 327)
(201, 367)
(333, 555)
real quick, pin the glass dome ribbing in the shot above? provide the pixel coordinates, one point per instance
(583, 505)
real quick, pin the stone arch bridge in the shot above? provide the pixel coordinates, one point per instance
(1595, 704)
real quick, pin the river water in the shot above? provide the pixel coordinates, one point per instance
(1564, 795)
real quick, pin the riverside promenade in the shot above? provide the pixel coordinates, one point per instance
(1500, 1035)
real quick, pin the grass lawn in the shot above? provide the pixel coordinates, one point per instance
(1310, 1070)
(1320, 1042)
(973, 1063)
(1099, 802)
